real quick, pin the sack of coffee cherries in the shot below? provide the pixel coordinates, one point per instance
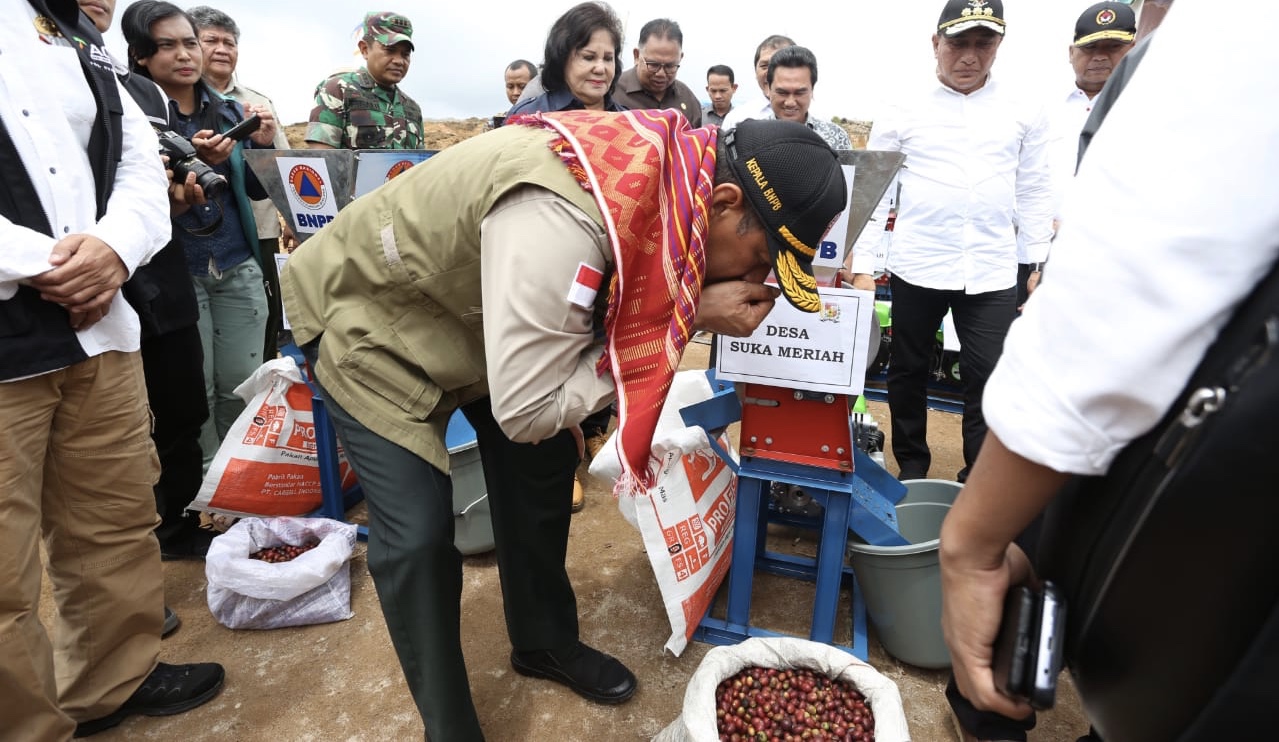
(787, 688)
(268, 573)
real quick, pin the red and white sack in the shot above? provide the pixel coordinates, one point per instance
(686, 518)
(312, 588)
(698, 721)
(267, 463)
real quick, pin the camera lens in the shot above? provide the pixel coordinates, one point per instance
(183, 160)
(214, 185)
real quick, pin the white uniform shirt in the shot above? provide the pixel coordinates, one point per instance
(757, 107)
(51, 133)
(1066, 117)
(1066, 120)
(1165, 229)
(975, 164)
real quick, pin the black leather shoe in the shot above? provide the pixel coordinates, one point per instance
(587, 672)
(168, 690)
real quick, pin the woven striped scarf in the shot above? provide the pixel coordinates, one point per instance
(651, 176)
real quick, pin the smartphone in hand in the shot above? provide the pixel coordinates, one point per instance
(1028, 651)
(1050, 638)
(1013, 645)
(242, 130)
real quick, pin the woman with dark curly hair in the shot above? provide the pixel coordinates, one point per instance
(581, 62)
(580, 68)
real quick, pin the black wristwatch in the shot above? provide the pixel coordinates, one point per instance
(1036, 267)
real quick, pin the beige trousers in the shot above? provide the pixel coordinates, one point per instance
(77, 466)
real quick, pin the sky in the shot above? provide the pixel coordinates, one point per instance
(864, 49)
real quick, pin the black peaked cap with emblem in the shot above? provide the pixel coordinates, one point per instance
(964, 15)
(794, 181)
(1104, 21)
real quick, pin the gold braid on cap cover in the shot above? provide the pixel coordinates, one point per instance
(794, 242)
(798, 286)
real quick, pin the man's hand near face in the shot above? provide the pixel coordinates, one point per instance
(734, 308)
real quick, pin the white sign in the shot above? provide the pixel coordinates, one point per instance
(375, 167)
(280, 259)
(821, 352)
(949, 338)
(830, 253)
(309, 189)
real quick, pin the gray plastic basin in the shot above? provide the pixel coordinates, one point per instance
(901, 585)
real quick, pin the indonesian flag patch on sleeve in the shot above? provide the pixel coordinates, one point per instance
(586, 284)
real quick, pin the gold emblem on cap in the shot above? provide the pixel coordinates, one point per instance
(977, 7)
(46, 26)
(1106, 17)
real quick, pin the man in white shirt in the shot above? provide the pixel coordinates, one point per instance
(82, 205)
(1103, 35)
(1080, 380)
(976, 156)
(758, 106)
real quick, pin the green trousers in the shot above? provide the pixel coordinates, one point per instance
(233, 320)
(418, 572)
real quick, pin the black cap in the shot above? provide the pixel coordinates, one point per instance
(963, 15)
(794, 181)
(1106, 21)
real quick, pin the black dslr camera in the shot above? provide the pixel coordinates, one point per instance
(183, 160)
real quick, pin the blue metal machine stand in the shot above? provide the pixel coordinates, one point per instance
(334, 502)
(861, 501)
(938, 397)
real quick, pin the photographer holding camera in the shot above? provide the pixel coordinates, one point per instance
(219, 238)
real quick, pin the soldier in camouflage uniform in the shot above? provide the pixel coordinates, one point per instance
(366, 109)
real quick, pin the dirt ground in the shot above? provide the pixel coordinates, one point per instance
(436, 135)
(341, 681)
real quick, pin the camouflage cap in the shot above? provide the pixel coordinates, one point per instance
(388, 28)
